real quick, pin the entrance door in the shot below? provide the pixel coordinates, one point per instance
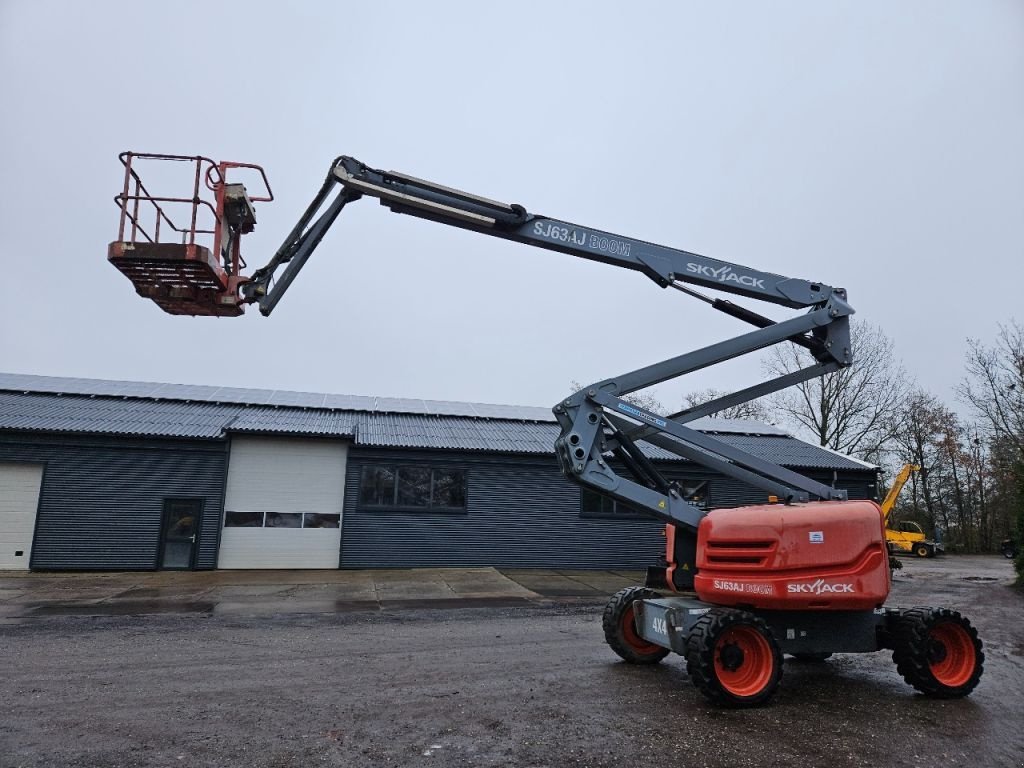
(19, 497)
(180, 526)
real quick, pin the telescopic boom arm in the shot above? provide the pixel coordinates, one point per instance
(598, 422)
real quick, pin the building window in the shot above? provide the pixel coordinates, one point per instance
(594, 504)
(243, 519)
(413, 488)
(377, 486)
(281, 520)
(316, 520)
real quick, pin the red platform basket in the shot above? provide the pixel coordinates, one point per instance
(193, 269)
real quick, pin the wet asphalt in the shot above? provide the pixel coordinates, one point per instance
(25, 596)
(459, 683)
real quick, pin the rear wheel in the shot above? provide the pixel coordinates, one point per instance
(938, 652)
(619, 622)
(733, 659)
(923, 550)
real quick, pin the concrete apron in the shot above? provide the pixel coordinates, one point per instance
(248, 593)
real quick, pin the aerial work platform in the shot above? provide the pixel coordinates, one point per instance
(191, 266)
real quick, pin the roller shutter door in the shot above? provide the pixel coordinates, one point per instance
(283, 504)
(19, 500)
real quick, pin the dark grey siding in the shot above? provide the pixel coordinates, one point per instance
(520, 513)
(101, 501)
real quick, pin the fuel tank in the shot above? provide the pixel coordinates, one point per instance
(827, 555)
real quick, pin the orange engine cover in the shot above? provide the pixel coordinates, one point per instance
(827, 555)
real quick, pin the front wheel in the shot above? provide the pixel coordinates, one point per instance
(733, 659)
(619, 622)
(938, 652)
(923, 550)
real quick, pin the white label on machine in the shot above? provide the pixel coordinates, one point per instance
(816, 537)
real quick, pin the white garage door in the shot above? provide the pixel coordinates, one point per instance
(19, 498)
(283, 503)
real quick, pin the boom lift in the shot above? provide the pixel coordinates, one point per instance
(805, 573)
(906, 536)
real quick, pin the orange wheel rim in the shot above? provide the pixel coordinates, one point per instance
(629, 634)
(744, 662)
(951, 654)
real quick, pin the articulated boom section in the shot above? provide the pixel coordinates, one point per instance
(597, 422)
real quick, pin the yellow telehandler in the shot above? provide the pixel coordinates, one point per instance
(906, 536)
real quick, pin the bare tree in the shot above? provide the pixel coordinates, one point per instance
(856, 410)
(994, 388)
(962, 488)
(924, 427)
(755, 410)
(995, 384)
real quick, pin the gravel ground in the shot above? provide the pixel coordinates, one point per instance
(531, 685)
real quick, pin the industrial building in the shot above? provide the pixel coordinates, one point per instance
(110, 475)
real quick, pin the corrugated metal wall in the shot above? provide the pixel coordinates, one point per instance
(102, 498)
(520, 513)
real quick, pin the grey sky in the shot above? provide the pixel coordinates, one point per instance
(874, 146)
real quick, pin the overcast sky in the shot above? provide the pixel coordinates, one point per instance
(876, 146)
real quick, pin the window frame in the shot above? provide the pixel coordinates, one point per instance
(302, 522)
(431, 508)
(615, 514)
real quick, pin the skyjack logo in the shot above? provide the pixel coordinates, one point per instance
(725, 275)
(819, 587)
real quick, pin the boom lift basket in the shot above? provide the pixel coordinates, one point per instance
(193, 266)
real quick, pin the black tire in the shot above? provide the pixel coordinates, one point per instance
(812, 658)
(938, 652)
(733, 659)
(922, 550)
(620, 630)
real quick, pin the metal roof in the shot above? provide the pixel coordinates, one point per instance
(19, 382)
(294, 421)
(455, 433)
(113, 416)
(38, 403)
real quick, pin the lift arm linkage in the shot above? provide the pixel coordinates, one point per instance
(597, 422)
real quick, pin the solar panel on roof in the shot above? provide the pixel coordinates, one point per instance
(299, 399)
(349, 402)
(400, 405)
(241, 395)
(192, 392)
(523, 412)
(449, 408)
